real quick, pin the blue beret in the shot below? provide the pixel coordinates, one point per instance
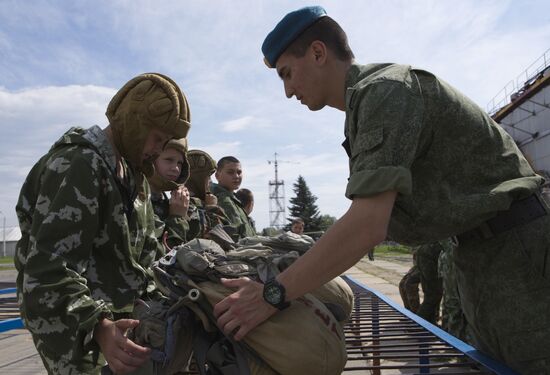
(287, 30)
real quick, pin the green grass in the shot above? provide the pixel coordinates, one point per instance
(391, 250)
(6, 260)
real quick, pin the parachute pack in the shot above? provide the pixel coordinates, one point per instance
(306, 338)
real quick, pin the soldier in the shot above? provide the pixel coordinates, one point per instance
(246, 197)
(426, 163)
(203, 204)
(452, 316)
(408, 287)
(229, 175)
(427, 257)
(88, 231)
(297, 226)
(172, 213)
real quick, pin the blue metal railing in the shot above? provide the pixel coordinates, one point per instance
(9, 324)
(468, 350)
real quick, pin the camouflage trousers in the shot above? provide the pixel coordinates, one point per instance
(452, 317)
(408, 288)
(427, 259)
(504, 285)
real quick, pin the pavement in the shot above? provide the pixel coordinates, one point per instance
(18, 355)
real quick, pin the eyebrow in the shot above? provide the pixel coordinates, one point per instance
(282, 71)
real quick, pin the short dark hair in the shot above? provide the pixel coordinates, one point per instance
(226, 160)
(298, 220)
(245, 196)
(327, 31)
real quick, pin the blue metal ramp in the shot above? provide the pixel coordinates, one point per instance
(385, 338)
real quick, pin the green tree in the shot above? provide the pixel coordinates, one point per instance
(303, 206)
(325, 221)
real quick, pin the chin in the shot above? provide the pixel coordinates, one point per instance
(315, 107)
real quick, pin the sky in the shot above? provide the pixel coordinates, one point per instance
(62, 61)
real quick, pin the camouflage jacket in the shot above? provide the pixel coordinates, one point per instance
(452, 166)
(234, 210)
(87, 241)
(178, 229)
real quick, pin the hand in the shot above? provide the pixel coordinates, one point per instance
(179, 201)
(244, 310)
(210, 199)
(121, 353)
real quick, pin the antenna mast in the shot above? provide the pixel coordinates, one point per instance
(276, 199)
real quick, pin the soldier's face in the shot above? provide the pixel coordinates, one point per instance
(297, 228)
(169, 164)
(154, 144)
(230, 176)
(301, 79)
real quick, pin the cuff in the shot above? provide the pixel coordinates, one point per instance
(371, 182)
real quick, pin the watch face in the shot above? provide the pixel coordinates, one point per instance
(272, 294)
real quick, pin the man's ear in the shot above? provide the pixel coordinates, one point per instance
(319, 51)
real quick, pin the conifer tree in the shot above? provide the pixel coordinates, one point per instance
(303, 206)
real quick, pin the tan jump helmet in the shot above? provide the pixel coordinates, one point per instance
(150, 100)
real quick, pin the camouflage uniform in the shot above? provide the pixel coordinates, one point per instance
(88, 234)
(452, 317)
(454, 168)
(178, 229)
(408, 287)
(87, 241)
(426, 259)
(240, 222)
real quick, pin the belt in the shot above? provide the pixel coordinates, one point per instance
(520, 212)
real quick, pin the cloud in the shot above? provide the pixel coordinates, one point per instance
(61, 64)
(238, 124)
(32, 119)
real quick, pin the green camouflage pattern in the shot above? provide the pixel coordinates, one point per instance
(234, 210)
(432, 286)
(178, 229)
(452, 166)
(504, 286)
(408, 289)
(86, 245)
(452, 316)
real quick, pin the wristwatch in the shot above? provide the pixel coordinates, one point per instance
(274, 294)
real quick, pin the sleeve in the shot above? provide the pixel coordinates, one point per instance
(387, 119)
(233, 215)
(56, 303)
(178, 230)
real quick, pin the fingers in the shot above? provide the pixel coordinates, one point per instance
(235, 283)
(226, 303)
(133, 349)
(125, 324)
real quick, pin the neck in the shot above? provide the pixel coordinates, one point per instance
(338, 72)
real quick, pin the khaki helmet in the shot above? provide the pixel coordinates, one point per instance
(150, 100)
(201, 167)
(160, 183)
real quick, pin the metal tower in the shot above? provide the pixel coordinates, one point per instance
(277, 217)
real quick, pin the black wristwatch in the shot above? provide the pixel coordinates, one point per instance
(274, 294)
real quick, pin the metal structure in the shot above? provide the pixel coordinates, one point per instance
(383, 337)
(4, 234)
(516, 87)
(524, 112)
(277, 217)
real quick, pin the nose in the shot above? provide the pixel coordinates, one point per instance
(289, 91)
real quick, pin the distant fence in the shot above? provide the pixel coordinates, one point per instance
(8, 307)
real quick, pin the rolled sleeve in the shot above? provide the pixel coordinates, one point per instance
(371, 182)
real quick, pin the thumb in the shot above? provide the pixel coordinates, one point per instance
(235, 283)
